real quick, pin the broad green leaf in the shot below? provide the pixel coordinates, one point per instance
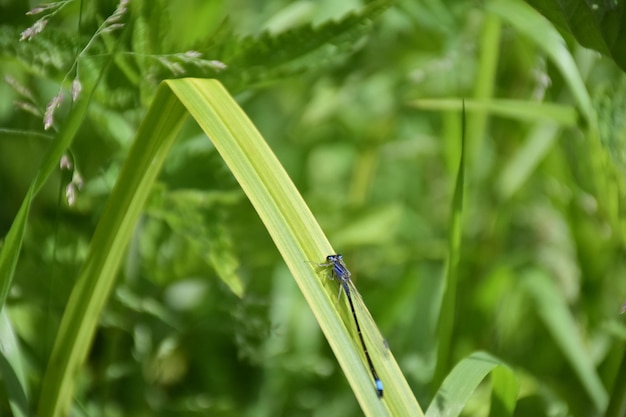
(459, 385)
(598, 25)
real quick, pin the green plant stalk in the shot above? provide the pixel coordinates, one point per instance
(485, 84)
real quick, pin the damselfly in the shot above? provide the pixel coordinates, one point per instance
(341, 273)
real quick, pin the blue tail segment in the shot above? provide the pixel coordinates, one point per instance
(341, 273)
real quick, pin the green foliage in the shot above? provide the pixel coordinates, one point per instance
(610, 100)
(595, 25)
(142, 277)
(465, 378)
(53, 52)
(199, 217)
(271, 57)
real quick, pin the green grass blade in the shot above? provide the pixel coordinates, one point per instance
(106, 251)
(553, 311)
(539, 141)
(463, 380)
(504, 391)
(12, 370)
(297, 236)
(522, 110)
(12, 246)
(617, 402)
(13, 241)
(485, 84)
(447, 311)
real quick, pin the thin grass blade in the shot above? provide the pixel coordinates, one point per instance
(106, 250)
(447, 311)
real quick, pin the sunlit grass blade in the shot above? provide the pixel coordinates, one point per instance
(297, 236)
(459, 385)
(553, 311)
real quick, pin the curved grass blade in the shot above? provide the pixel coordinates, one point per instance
(297, 236)
(463, 380)
(279, 205)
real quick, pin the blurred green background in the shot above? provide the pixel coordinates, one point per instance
(206, 319)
